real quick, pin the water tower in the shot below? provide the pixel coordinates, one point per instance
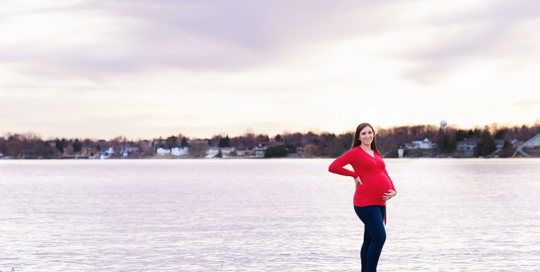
(443, 124)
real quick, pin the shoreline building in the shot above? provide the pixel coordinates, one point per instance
(213, 151)
(531, 143)
(468, 144)
(89, 149)
(179, 151)
(420, 144)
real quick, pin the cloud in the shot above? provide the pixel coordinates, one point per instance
(134, 36)
(160, 66)
(500, 32)
(103, 38)
(436, 38)
(527, 103)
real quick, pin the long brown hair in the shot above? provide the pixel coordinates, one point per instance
(356, 141)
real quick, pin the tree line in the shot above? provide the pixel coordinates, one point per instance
(310, 144)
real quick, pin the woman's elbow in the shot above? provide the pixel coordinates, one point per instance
(331, 169)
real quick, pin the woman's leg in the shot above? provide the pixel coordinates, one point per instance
(365, 249)
(372, 216)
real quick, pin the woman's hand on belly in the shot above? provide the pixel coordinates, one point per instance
(357, 181)
(389, 195)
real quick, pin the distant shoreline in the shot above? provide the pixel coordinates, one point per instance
(242, 158)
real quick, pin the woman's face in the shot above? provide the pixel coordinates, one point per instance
(366, 136)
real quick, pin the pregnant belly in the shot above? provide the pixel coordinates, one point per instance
(372, 190)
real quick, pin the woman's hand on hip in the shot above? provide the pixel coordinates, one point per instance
(389, 195)
(357, 181)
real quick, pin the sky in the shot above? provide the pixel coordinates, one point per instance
(144, 69)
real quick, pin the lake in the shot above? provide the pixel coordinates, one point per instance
(264, 215)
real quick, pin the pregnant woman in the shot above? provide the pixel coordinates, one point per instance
(373, 188)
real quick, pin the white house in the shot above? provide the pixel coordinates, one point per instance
(245, 153)
(420, 144)
(468, 144)
(499, 144)
(259, 151)
(534, 141)
(213, 151)
(107, 151)
(179, 151)
(516, 143)
(162, 151)
(132, 148)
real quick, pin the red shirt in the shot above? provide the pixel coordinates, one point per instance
(372, 173)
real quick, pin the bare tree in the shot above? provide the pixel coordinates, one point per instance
(198, 149)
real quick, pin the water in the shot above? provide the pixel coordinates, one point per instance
(264, 215)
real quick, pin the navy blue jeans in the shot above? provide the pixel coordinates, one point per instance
(374, 235)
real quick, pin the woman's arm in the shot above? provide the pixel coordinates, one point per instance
(337, 165)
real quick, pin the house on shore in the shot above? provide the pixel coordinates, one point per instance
(179, 151)
(532, 143)
(69, 150)
(107, 150)
(420, 144)
(260, 150)
(89, 149)
(516, 143)
(245, 153)
(213, 151)
(175, 151)
(468, 144)
(162, 151)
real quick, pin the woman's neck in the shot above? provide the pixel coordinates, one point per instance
(365, 147)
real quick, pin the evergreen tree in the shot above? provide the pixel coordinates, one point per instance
(460, 135)
(452, 145)
(227, 141)
(77, 146)
(275, 151)
(220, 142)
(98, 147)
(171, 142)
(184, 142)
(485, 145)
(444, 142)
(224, 142)
(59, 145)
(219, 154)
(507, 150)
(278, 138)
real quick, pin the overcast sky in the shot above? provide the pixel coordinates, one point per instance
(142, 69)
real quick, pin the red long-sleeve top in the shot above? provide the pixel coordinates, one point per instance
(372, 173)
